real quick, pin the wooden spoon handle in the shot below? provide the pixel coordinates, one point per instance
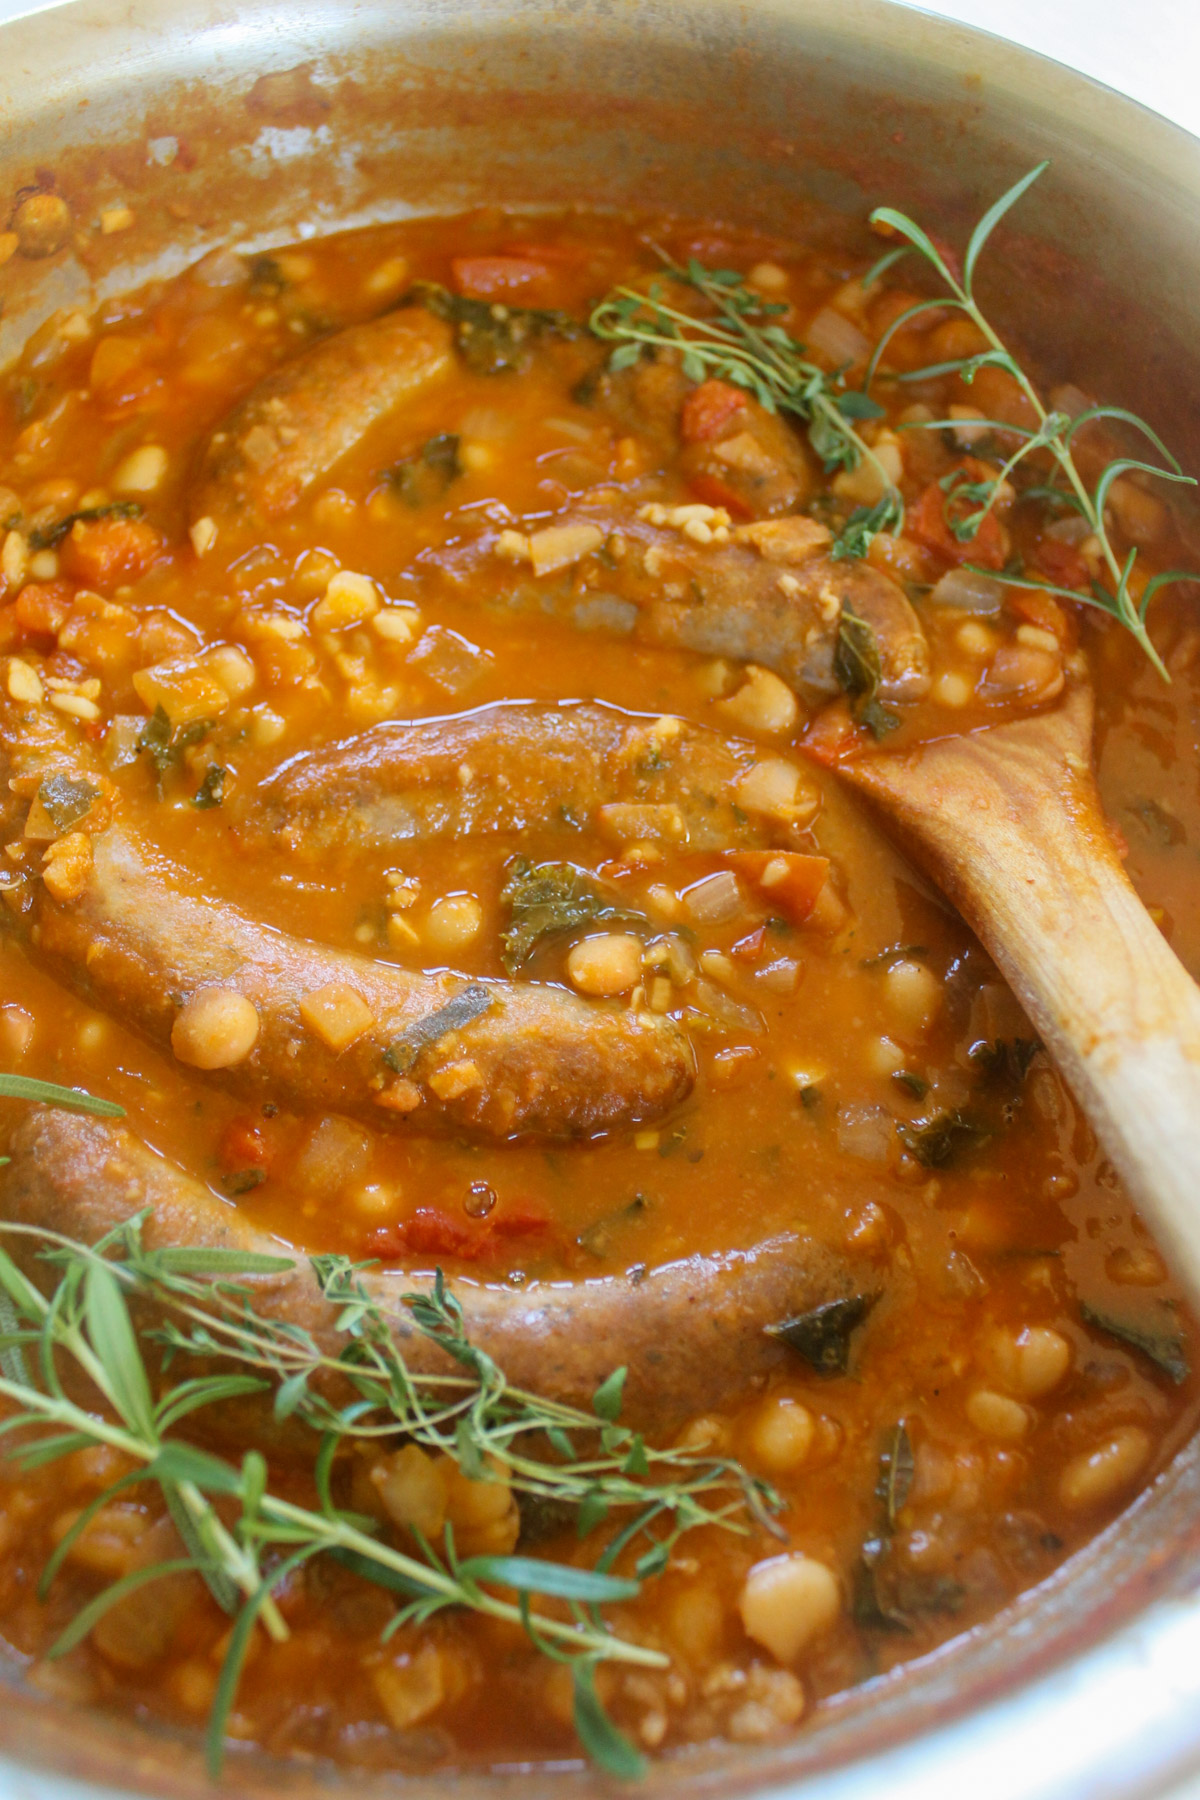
(1008, 822)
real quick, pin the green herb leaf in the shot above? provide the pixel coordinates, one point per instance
(858, 671)
(897, 1472)
(48, 537)
(48, 1093)
(561, 1580)
(455, 1015)
(492, 339)
(211, 791)
(65, 802)
(1008, 1059)
(822, 1336)
(426, 476)
(1166, 1347)
(937, 1142)
(608, 1748)
(607, 1399)
(546, 899)
(89, 1616)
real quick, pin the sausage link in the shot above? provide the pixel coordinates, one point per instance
(692, 1333)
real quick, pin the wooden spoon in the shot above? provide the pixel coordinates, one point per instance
(1008, 822)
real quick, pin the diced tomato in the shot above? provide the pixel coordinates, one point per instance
(431, 1231)
(708, 409)
(246, 1143)
(568, 255)
(713, 491)
(498, 277)
(42, 607)
(1046, 612)
(520, 1222)
(1060, 563)
(750, 948)
(928, 523)
(101, 552)
(789, 882)
(832, 735)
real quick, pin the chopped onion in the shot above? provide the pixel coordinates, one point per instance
(968, 591)
(1070, 399)
(1072, 528)
(780, 976)
(833, 335)
(716, 898)
(866, 1132)
(706, 997)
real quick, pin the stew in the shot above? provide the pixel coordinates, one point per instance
(426, 655)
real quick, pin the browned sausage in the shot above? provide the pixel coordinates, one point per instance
(510, 1057)
(504, 768)
(300, 421)
(691, 1332)
(740, 598)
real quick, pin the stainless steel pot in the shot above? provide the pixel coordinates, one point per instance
(252, 123)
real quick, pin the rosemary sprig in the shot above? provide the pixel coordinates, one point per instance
(1053, 434)
(206, 1301)
(49, 1093)
(738, 339)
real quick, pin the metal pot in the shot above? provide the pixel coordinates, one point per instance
(246, 123)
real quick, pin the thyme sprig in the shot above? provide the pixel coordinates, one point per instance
(1053, 434)
(738, 339)
(244, 1539)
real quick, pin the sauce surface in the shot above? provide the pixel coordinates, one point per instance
(213, 637)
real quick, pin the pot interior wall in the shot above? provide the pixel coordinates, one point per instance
(250, 125)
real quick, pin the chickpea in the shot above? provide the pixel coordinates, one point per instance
(781, 1434)
(952, 689)
(1098, 1475)
(142, 471)
(42, 223)
(453, 923)
(695, 1621)
(763, 704)
(16, 1032)
(1031, 1362)
(788, 1601)
(605, 965)
(996, 1416)
(216, 1029)
(914, 996)
(412, 1488)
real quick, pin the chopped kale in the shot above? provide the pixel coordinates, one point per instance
(596, 1239)
(897, 1466)
(1007, 1060)
(404, 1050)
(165, 745)
(915, 1084)
(46, 537)
(1166, 1347)
(940, 1139)
(211, 791)
(242, 1181)
(1161, 826)
(65, 801)
(864, 523)
(426, 476)
(822, 1335)
(858, 671)
(492, 338)
(547, 898)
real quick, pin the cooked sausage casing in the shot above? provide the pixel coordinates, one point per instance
(691, 1333)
